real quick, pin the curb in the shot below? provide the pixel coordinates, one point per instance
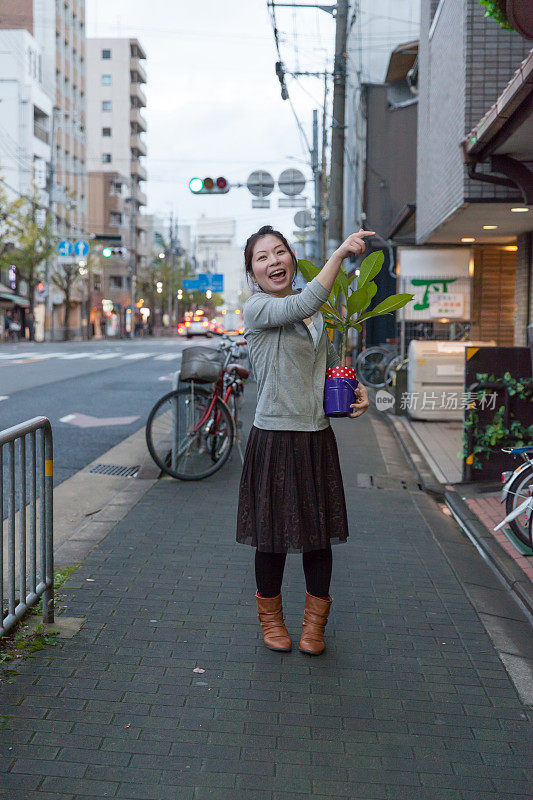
(500, 561)
(490, 549)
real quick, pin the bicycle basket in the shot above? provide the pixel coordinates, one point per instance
(201, 364)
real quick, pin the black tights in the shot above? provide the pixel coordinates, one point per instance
(317, 569)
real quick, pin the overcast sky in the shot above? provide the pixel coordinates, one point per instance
(213, 99)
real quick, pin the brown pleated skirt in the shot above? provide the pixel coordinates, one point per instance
(291, 495)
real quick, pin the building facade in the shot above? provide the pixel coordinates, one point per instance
(58, 28)
(466, 60)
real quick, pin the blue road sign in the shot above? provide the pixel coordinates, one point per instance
(217, 282)
(205, 280)
(64, 247)
(190, 284)
(81, 248)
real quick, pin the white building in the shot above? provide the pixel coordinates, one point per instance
(216, 251)
(25, 115)
(376, 28)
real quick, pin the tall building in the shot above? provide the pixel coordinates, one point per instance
(58, 28)
(216, 252)
(115, 139)
(25, 115)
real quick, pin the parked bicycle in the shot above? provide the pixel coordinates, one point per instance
(516, 493)
(191, 431)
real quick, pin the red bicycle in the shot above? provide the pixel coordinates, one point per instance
(191, 431)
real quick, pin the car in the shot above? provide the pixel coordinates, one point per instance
(216, 325)
(232, 323)
(194, 326)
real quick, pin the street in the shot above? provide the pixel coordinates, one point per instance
(108, 381)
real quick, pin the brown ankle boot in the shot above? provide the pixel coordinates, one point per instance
(314, 622)
(270, 615)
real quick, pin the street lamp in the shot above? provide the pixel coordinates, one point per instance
(159, 287)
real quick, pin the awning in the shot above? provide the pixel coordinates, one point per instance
(16, 299)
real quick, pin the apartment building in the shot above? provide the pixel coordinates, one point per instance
(58, 26)
(115, 140)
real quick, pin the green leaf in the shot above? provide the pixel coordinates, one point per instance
(370, 267)
(372, 289)
(392, 303)
(358, 300)
(308, 269)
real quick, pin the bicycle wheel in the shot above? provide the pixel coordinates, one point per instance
(180, 446)
(371, 364)
(517, 494)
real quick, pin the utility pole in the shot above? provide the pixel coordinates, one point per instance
(50, 188)
(133, 260)
(336, 187)
(317, 175)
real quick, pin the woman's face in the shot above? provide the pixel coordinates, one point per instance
(272, 266)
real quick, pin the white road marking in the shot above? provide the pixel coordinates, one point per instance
(133, 356)
(103, 356)
(4, 397)
(86, 421)
(167, 357)
(72, 356)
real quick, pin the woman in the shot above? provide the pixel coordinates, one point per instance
(291, 496)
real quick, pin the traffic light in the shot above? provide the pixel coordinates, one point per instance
(107, 252)
(209, 186)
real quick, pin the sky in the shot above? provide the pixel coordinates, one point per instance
(213, 99)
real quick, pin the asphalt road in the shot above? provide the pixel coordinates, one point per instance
(105, 380)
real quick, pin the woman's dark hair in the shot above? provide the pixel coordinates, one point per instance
(266, 230)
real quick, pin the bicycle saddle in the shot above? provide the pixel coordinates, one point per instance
(242, 372)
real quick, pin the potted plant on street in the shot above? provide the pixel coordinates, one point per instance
(341, 381)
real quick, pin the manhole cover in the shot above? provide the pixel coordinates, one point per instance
(115, 469)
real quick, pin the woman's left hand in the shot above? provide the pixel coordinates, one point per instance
(361, 404)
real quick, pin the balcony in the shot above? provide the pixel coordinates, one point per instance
(137, 120)
(137, 145)
(136, 168)
(138, 72)
(137, 94)
(140, 196)
(41, 133)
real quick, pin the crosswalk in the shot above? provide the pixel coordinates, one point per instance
(7, 359)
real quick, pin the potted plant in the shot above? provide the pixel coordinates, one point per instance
(512, 15)
(341, 381)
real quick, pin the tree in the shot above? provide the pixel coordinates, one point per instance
(28, 228)
(64, 277)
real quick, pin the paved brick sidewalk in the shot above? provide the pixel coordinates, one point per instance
(409, 702)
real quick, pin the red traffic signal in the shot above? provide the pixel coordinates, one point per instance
(209, 186)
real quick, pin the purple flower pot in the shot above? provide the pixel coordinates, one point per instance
(339, 393)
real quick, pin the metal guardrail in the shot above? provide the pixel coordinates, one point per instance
(21, 474)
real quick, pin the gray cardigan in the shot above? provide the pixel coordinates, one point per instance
(290, 370)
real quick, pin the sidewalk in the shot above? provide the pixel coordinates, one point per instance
(434, 450)
(411, 700)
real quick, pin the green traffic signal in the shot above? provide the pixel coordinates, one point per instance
(106, 252)
(196, 185)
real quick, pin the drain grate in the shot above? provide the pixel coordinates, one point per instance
(115, 469)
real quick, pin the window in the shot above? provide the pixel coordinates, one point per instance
(106, 54)
(106, 158)
(106, 105)
(106, 80)
(106, 131)
(115, 281)
(115, 219)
